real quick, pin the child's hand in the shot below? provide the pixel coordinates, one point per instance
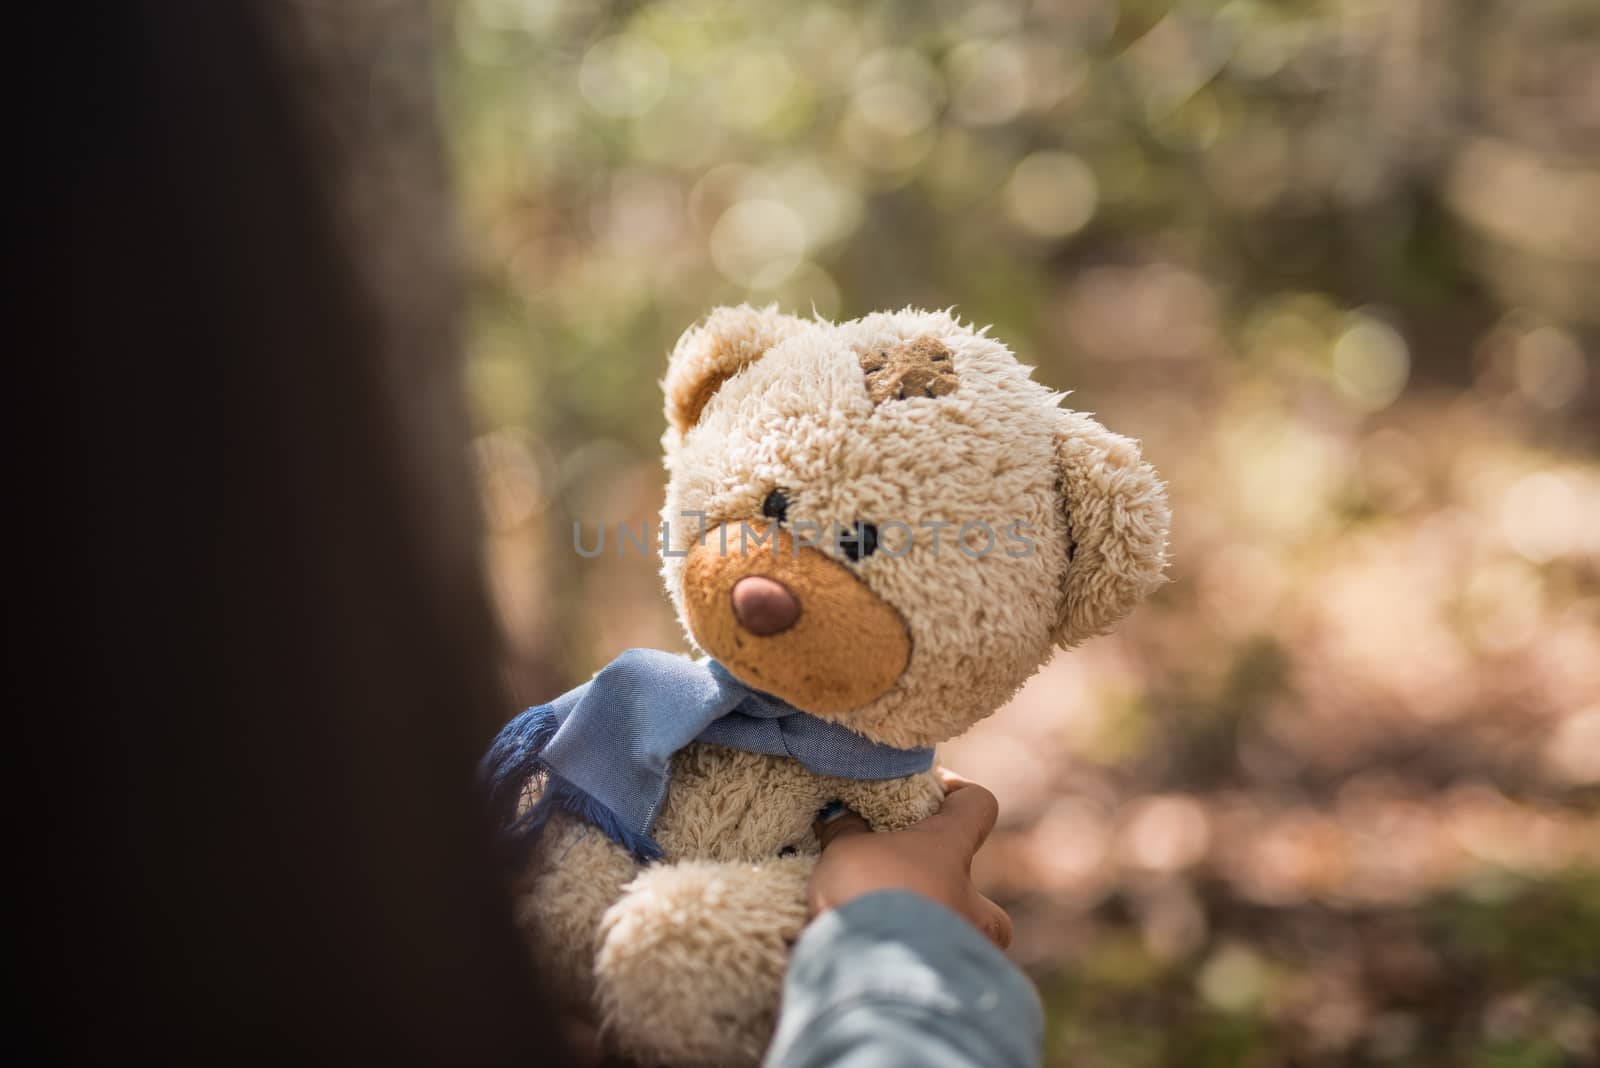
(932, 858)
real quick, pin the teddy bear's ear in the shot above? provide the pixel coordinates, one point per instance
(1117, 519)
(713, 351)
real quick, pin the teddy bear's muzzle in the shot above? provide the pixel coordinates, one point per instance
(793, 622)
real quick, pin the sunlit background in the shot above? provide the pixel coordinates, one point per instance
(1333, 797)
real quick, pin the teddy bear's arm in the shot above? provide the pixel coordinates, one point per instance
(691, 961)
(575, 874)
(893, 804)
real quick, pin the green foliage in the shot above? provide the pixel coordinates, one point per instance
(1539, 931)
(1328, 798)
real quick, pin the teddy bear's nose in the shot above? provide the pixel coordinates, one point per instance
(764, 606)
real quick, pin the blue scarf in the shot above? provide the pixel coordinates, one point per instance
(606, 747)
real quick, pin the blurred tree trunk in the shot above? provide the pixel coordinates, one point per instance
(367, 79)
(365, 76)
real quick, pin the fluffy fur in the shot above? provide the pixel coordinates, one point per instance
(907, 417)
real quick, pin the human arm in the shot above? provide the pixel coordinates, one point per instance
(894, 970)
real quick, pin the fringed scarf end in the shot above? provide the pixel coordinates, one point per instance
(563, 795)
(513, 760)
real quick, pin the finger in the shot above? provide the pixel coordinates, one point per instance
(841, 826)
(968, 815)
(950, 780)
(994, 922)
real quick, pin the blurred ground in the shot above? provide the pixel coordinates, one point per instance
(1334, 796)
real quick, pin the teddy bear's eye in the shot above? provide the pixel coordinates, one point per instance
(860, 542)
(776, 506)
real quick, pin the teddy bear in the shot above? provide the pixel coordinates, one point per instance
(875, 532)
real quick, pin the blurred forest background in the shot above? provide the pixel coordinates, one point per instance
(1333, 797)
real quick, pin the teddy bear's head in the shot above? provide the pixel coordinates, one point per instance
(886, 522)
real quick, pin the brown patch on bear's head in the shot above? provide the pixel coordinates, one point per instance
(921, 367)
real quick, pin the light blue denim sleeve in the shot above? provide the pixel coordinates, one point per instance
(893, 979)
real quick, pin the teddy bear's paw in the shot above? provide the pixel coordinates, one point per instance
(575, 875)
(691, 962)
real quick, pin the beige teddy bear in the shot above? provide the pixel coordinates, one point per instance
(876, 531)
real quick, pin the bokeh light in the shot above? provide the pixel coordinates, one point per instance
(1333, 795)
